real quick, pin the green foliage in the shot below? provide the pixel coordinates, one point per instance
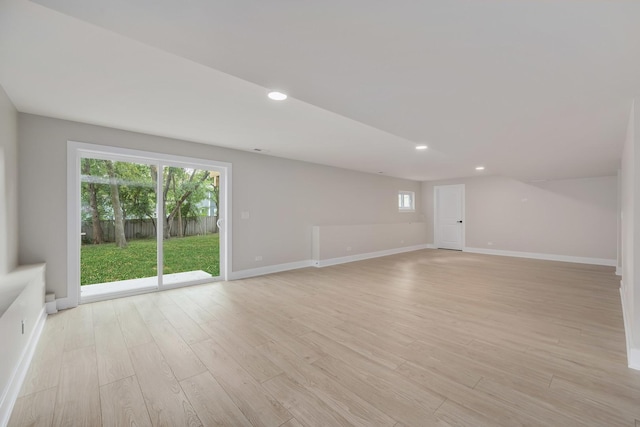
(185, 187)
(99, 177)
(137, 192)
(107, 263)
(196, 183)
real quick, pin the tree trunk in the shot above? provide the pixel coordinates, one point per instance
(168, 220)
(180, 233)
(121, 240)
(98, 235)
(215, 224)
(154, 180)
(186, 195)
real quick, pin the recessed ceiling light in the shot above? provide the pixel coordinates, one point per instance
(421, 147)
(277, 96)
(479, 168)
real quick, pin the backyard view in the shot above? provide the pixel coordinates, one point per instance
(120, 220)
(108, 263)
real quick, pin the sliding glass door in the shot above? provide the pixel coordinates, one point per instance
(190, 248)
(118, 226)
(146, 223)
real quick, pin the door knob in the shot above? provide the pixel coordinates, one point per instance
(460, 222)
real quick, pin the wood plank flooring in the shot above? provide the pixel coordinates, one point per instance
(428, 338)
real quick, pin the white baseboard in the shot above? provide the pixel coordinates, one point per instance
(19, 374)
(633, 354)
(260, 271)
(64, 303)
(548, 257)
(618, 271)
(369, 255)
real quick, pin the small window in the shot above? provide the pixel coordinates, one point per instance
(406, 201)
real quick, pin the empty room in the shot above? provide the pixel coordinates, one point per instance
(338, 213)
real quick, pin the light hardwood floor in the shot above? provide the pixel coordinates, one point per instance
(426, 338)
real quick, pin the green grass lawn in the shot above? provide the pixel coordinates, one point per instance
(108, 263)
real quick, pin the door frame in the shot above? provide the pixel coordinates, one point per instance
(436, 220)
(78, 150)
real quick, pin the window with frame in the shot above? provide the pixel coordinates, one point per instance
(406, 201)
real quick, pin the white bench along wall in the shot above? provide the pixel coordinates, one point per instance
(22, 317)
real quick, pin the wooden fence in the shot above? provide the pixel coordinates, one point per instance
(146, 228)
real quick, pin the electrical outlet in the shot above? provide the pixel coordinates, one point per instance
(348, 248)
(259, 258)
(489, 243)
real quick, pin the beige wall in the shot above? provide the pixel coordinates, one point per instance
(8, 184)
(284, 198)
(619, 225)
(575, 217)
(341, 243)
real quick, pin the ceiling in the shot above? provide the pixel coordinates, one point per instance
(530, 89)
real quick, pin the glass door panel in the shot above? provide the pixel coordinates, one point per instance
(189, 206)
(119, 226)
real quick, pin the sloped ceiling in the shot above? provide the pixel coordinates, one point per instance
(529, 89)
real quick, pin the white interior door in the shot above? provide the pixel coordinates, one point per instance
(449, 216)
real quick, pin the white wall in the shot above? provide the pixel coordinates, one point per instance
(8, 184)
(284, 198)
(575, 218)
(630, 215)
(21, 290)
